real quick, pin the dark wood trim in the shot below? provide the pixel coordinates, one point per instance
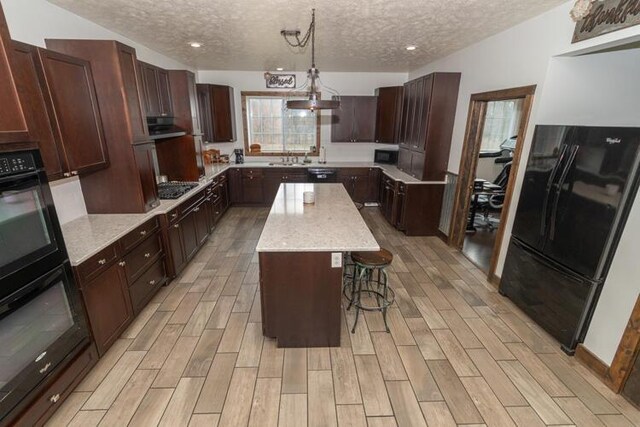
(272, 94)
(469, 163)
(494, 279)
(442, 236)
(627, 353)
(591, 361)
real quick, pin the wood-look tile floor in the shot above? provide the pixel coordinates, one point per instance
(458, 353)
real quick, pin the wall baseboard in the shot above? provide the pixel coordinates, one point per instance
(593, 363)
(494, 279)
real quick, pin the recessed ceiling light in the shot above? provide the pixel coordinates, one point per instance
(411, 47)
(279, 69)
(195, 44)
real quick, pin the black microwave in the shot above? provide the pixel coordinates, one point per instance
(389, 157)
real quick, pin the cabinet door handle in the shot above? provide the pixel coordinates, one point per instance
(45, 368)
(217, 212)
(143, 233)
(174, 215)
(176, 225)
(208, 199)
(122, 263)
(196, 210)
(147, 255)
(102, 261)
(54, 398)
(66, 174)
(152, 282)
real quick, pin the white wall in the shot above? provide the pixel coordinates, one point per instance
(344, 83)
(32, 21)
(600, 89)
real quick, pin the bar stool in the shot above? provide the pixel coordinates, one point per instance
(366, 265)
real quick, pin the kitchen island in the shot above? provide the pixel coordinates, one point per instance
(300, 253)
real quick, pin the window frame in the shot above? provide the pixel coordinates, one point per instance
(245, 95)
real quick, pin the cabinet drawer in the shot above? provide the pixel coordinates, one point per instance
(139, 234)
(98, 263)
(139, 258)
(143, 289)
(218, 210)
(192, 202)
(173, 215)
(58, 389)
(251, 172)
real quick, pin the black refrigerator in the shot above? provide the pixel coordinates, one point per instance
(578, 188)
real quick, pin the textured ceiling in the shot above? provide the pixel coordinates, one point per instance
(351, 35)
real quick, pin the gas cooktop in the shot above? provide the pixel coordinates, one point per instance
(174, 190)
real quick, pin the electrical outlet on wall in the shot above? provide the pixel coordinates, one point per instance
(336, 259)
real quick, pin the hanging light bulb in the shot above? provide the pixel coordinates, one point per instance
(314, 101)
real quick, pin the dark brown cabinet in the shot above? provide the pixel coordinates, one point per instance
(122, 187)
(184, 100)
(428, 112)
(252, 190)
(388, 114)
(216, 104)
(143, 154)
(119, 281)
(355, 120)
(108, 305)
(360, 183)
(157, 90)
(274, 177)
(176, 249)
(235, 185)
(201, 219)
(13, 124)
(61, 109)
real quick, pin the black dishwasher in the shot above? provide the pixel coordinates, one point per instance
(322, 175)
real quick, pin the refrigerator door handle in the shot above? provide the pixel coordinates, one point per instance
(552, 176)
(563, 177)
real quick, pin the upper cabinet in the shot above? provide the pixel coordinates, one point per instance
(388, 114)
(127, 185)
(184, 101)
(428, 112)
(217, 112)
(156, 90)
(58, 95)
(13, 124)
(355, 120)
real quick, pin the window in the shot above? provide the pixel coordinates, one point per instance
(272, 130)
(501, 123)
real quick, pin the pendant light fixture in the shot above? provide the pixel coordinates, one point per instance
(313, 83)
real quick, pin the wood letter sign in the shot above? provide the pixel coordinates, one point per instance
(280, 81)
(607, 16)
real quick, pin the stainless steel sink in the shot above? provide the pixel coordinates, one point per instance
(286, 164)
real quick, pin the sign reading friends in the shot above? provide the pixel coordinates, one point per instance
(607, 16)
(280, 81)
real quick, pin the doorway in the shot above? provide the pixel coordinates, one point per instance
(495, 132)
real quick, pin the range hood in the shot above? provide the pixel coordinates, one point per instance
(163, 127)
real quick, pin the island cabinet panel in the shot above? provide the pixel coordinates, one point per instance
(13, 124)
(300, 303)
(388, 114)
(355, 120)
(62, 111)
(117, 282)
(217, 112)
(118, 188)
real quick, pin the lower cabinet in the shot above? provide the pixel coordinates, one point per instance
(119, 281)
(108, 306)
(361, 183)
(274, 177)
(411, 208)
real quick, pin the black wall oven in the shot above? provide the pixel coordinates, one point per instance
(41, 316)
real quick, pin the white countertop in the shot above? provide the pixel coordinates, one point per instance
(89, 234)
(331, 224)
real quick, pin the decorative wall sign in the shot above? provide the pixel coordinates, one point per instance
(607, 16)
(280, 81)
